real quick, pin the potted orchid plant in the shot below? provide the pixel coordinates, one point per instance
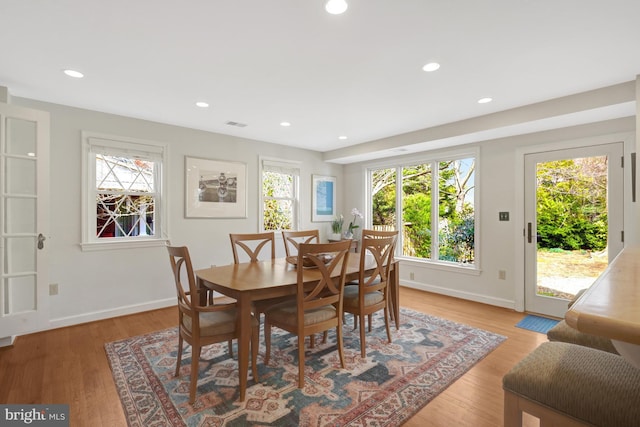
(352, 225)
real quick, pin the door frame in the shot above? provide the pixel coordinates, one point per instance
(39, 318)
(614, 151)
(520, 229)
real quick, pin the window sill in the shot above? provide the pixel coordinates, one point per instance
(471, 269)
(127, 244)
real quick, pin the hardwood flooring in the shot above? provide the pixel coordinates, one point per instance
(69, 365)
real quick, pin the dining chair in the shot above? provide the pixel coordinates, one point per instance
(316, 308)
(371, 294)
(292, 240)
(256, 247)
(201, 326)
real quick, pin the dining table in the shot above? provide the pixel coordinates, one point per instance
(253, 281)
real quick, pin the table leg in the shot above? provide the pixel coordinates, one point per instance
(244, 341)
(202, 293)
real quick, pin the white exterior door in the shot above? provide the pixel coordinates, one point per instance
(553, 275)
(24, 202)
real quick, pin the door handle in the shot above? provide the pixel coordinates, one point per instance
(529, 232)
(41, 240)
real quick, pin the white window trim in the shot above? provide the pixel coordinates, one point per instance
(285, 164)
(121, 144)
(415, 158)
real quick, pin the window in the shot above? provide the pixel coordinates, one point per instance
(123, 192)
(432, 203)
(279, 195)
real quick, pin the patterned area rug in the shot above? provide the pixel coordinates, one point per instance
(386, 388)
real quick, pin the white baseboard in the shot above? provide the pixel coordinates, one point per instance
(107, 314)
(7, 341)
(499, 302)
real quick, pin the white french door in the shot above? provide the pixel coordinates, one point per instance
(24, 182)
(582, 182)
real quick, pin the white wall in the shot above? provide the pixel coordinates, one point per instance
(94, 285)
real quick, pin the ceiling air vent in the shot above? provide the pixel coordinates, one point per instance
(237, 124)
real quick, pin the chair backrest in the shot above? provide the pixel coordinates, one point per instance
(292, 240)
(183, 270)
(329, 288)
(255, 246)
(379, 245)
(379, 233)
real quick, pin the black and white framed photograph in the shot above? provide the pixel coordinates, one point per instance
(215, 188)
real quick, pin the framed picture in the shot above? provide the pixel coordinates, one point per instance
(215, 188)
(323, 202)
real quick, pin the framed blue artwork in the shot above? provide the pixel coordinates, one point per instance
(323, 203)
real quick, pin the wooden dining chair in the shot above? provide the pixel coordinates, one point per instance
(371, 294)
(292, 240)
(256, 247)
(317, 308)
(201, 326)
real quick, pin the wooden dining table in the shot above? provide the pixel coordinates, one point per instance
(253, 281)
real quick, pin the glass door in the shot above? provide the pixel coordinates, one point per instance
(573, 222)
(24, 177)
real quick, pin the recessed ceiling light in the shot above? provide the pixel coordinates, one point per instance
(74, 74)
(285, 124)
(484, 100)
(202, 104)
(342, 137)
(431, 66)
(336, 7)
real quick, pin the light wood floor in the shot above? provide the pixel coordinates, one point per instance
(69, 365)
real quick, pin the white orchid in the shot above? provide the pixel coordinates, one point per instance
(352, 225)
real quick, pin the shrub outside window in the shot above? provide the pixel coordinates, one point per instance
(433, 204)
(279, 195)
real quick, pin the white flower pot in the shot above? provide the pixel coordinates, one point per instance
(335, 236)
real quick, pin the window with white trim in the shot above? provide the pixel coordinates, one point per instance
(432, 202)
(123, 200)
(279, 196)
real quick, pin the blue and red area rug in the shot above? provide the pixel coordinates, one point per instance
(386, 388)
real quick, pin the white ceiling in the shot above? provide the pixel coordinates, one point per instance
(261, 62)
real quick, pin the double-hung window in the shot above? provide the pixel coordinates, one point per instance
(123, 196)
(432, 203)
(279, 197)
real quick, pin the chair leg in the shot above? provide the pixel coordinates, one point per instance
(254, 352)
(267, 341)
(325, 334)
(312, 341)
(230, 348)
(179, 360)
(363, 353)
(340, 345)
(386, 323)
(300, 362)
(195, 362)
(370, 319)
